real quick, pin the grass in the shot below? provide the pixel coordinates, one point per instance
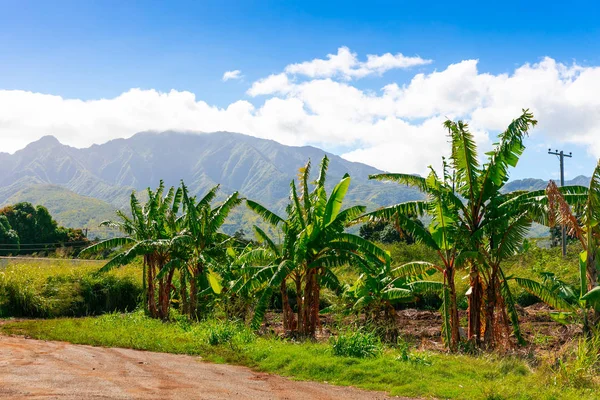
(55, 287)
(398, 371)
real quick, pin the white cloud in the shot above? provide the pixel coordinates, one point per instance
(346, 65)
(397, 128)
(235, 74)
(273, 84)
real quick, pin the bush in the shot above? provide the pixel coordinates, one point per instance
(356, 344)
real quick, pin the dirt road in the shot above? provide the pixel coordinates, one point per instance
(34, 369)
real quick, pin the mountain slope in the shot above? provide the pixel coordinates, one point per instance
(539, 184)
(84, 184)
(68, 208)
(257, 168)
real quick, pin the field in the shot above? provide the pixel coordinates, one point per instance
(554, 364)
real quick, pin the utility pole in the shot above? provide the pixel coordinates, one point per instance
(561, 156)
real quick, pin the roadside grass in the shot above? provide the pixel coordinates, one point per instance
(395, 370)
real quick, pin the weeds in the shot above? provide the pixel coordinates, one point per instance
(356, 344)
(580, 366)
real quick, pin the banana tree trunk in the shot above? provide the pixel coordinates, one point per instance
(165, 284)
(288, 315)
(185, 305)
(311, 303)
(475, 302)
(151, 301)
(453, 307)
(298, 282)
(490, 309)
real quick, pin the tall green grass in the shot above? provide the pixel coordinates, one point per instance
(54, 288)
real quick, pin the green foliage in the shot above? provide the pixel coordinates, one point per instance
(356, 344)
(36, 230)
(385, 232)
(9, 239)
(228, 332)
(70, 209)
(57, 288)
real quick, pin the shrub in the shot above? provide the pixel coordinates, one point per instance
(356, 344)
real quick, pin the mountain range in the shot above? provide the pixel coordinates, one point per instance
(82, 187)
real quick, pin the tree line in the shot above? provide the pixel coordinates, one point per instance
(27, 229)
(474, 226)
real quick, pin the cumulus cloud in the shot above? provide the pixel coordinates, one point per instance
(395, 128)
(346, 65)
(235, 74)
(273, 84)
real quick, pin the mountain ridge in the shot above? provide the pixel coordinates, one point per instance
(260, 169)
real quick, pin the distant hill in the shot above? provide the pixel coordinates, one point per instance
(538, 184)
(68, 208)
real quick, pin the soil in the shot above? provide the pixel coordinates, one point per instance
(423, 328)
(35, 369)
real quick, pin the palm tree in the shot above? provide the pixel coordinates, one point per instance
(315, 243)
(151, 233)
(482, 189)
(205, 245)
(465, 205)
(443, 234)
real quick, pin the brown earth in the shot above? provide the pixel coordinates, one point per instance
(35, 369)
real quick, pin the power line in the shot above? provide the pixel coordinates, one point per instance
(561, 155)
(27, 245)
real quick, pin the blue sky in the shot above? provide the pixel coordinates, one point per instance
(90, 50)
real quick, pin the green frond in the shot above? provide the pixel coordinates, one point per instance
(395, 294)
(264, 238)
(543, 293)
(107, 244)
(322, 172)
(406, 179)
(410, 208)
(336, 199)
(364, 246)
(415, 268)
(269, 216)
(426, 286)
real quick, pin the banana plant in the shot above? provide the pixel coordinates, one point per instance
(442, 235)
(315, 233)
(380, 287)
(151, 233)
(206, 245)
(466, 225)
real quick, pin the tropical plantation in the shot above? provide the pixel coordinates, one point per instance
(450, 299)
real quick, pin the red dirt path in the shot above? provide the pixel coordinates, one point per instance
(35, 369)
